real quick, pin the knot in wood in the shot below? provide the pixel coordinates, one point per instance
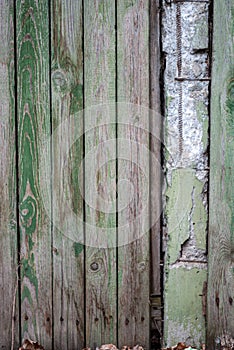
(60, 81)
(141, 266)
(94, 266)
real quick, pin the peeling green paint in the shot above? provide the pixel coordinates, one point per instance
(180, 211)
(76, 99)
(186, 221)
(177, 210)
(25, 294)
(199, 217)
(78, 249)
(184, 320)
(28, 270)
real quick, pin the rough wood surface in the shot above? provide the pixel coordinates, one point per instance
(72, 294)
(32, 35)
(100, 264)
(221, 226)
(133, 258)
(67, 101)
(8, 224)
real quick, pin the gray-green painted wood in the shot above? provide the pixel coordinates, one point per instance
(8, 222)
(221, 224)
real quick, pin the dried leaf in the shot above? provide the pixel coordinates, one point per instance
(138, 347)
(179, 346)
(108, 347)
(31, 345)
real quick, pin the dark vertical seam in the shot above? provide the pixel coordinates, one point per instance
(155, 16)
(210, 56)
(116, 170)
(51, 169)
(162, 110)
(83, 175)
(210, 60)
(17, 169)
(150, 167)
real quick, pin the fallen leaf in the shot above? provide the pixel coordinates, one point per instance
(108, 347)
(31, 345)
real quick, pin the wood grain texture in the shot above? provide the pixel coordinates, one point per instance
(72, 295)
(8, 222)
(100, 265)
(133, 258)
(67, 101)
(32, 34)
(221, 226)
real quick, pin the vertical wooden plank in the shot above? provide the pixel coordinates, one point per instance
(8, 226)
(221, 225)
(133, 258)
(67, 101)
(33, 125)
(99, 60)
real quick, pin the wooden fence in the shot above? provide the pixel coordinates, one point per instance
(57, 59)
(60, 283)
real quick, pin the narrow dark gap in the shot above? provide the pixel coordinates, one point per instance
(210, 55)
(116, 169)
(162, 105)
(210, 60)
(51, 169)
(17, 170)
(156, 103)
(152, 334)
(83, 175)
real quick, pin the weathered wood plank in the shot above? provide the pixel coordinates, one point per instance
(99, 60)
(221, 225)
(33, 124)
(8, 225)
(134, 257)
(67, 101)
